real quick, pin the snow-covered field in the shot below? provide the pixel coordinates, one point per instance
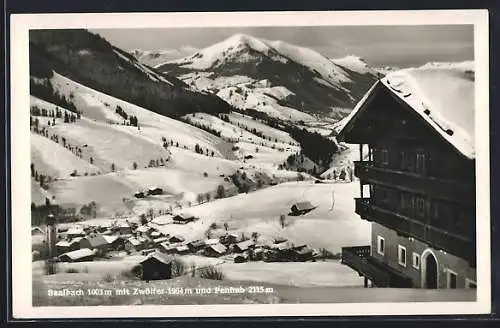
(323, 227)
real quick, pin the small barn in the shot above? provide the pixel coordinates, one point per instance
(240, 258)
(215, 250)
(65, 246)
(157, 266)
(155, 191)
(243, 246)
(139, 194)
(80, 255)
(302, 208)
(302, 253)
(183, 218)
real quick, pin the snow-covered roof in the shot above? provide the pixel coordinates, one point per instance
(212, 241)
(64, 243)
(219, 248)
(245, 244)
(79, 253)
(143, 228)
(110, 239)
(441, 93)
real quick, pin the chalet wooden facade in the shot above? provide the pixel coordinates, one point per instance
(417, 187)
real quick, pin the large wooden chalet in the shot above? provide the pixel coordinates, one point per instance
(417, 180)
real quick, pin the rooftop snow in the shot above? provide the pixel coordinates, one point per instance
(441, 93)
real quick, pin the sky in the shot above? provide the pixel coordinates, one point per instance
(401, 46)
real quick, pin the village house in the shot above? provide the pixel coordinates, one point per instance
(158, 241)
(124, 228)
(114, 242)
(175, 239)
(215, 250)
(416, 173)
(196, 245)
(64, 246)
(183, 218)
(76, 231)
(144, 230)
(155, 234)
(301, 208)
(96, 242)
(243, 246)
(168, 248)
(133, 243)
(157, 266)
(80, 255)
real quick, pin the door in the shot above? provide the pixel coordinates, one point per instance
(430, 272)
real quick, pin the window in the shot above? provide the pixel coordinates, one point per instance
(402, 255)
(402, 160)
(380, 245)
(384, 156)
(416, 261)
(420, 207)
(420, 166)
(452, 279)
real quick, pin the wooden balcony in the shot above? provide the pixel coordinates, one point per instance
(463, 246)
(380, 274)
(435, 187)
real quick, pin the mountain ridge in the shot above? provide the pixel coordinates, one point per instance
(316, 84)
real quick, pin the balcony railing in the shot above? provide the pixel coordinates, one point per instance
(359, 259)
(463, 246)
(412, 182)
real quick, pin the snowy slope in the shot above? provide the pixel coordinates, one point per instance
(152, 125)
(53, 159)
(321, 227)
(353, 63)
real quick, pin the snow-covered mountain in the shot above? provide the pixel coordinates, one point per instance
(281, 79)
(155, 58)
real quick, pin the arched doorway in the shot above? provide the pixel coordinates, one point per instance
(429, 270)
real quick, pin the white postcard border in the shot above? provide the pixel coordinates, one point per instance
(20, 141)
